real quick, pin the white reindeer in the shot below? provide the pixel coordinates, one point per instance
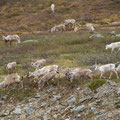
(54, 29)
(113, 46)
(106, 68)
(40, 72)
(70, 21)
(10, 79)
(53, 8)
(76, 75)
(90, 27)
(47, 77)
(60, 27)
(11, 38)
(39, 63)
(11, 66)
(77, 27)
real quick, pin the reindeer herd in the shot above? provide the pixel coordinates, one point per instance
(44, 73)
(71, 24)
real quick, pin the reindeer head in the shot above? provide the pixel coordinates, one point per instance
(107, 46)
(96, 66)
(3, 37)
(32, 64)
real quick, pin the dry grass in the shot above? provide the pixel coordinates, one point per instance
(37, 16)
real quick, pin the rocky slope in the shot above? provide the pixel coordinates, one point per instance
(66, 103)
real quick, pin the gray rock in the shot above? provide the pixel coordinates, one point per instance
(53, 99)
(93, 108)
(97, 36)
(57, 96)
(29, 111)
(2, 102)
(54, 93)
(71, 101)
(118, 35)
(26, 41)
(17, 111)
(32, 100)
(84, 99)
(45, 117)
(53, 109)
(55, 116)
(43, 104)
(48, 111)
(49, 90)
(118, 91)
(105, 103)
(4, 113)
(5, 97)
(97, 113)
(79, 109)
(100, 112)
(22, 117)
(113, 32)
(117, 106)
(37, 95)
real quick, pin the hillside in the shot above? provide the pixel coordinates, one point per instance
(57, 98)
(35, 15)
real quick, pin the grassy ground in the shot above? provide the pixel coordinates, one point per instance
(64, 49)
(35, 15)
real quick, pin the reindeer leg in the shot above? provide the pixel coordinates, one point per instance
(101, 75)
(22, 84)
(8, 71)
(110, 75)
(119, 50)
(116, 74)
(15, 69)
(112, 50)
(90, 76)
(10, 43)
(71, 79)
(16, 44)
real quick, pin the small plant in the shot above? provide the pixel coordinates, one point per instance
(96, 84)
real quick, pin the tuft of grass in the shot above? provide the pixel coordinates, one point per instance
(96, 84)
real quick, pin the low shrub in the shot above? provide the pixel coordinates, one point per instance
(96, 84)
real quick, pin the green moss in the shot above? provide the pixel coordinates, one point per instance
(96, 84)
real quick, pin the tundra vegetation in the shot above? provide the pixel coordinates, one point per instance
(63, 49)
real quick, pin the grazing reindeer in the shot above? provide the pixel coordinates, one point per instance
(11, 66)
(90, 27)
(80, 73)
(53, 8)
(38, 64)
(70, 21)
(113, 46)
(11, 38)
(106, 68)
(10, 79)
